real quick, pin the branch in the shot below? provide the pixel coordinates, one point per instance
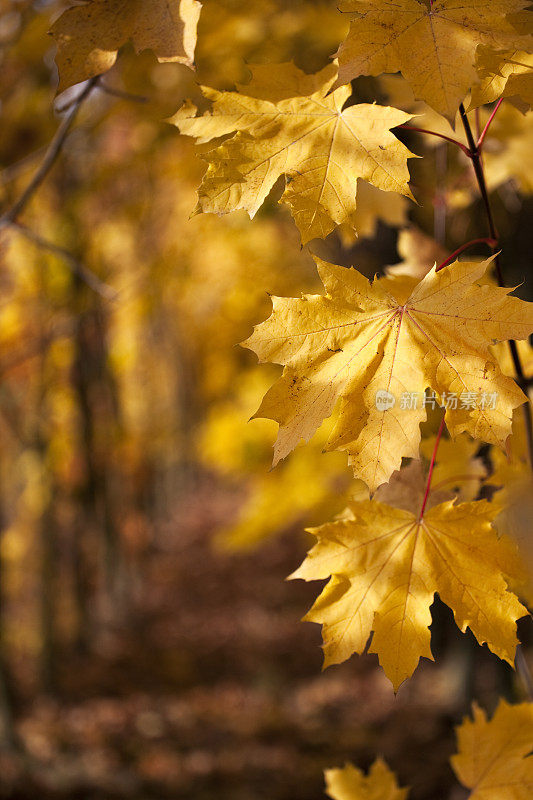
(114, 92)
(50, 158)
(480, 177)
(76, 267)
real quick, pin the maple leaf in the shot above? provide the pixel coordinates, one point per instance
(386, 565)
(433, 45)
(285, 123)
(494, 758)
(89, 36)
(514, 497)
(508, 149)
(363, 345)
(350, 783)
(504, 75)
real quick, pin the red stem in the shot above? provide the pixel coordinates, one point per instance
(492, 243)
(487, 126)
(456, 142)
(431, 466)
(515, 355)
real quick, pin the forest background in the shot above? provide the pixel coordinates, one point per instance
(149, 644)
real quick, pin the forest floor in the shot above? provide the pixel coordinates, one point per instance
(212, 688)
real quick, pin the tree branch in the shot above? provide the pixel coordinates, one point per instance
(50, 158)
(480, 177)
(76, 267)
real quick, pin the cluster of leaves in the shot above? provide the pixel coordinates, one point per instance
(494, 760)
(435, 331)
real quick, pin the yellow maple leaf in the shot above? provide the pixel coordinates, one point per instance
(504, 75)
(350, 783)
(363, 346)
(386, 565)
(285, 123)
(89, 36)
(433, 45)
(494, 758)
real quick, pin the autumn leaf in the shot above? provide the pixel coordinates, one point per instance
(386, 565)
(432, 44)
(350, 783)
(494, 758)
(508, 149)
(285, 123)
(514, 496)
(89, 36)
(504, 75)
(362, 346)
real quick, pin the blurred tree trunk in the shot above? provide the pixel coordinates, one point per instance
(99, 425)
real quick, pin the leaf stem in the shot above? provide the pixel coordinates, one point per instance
(493, 233)
(456, 142)
(487, 126)
(431, 467)
(492, 243)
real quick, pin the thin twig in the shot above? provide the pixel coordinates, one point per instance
(431, 466)
(456, 142)
(492, 243)
(50, 158)
(481, 138)
(480, 177)
(76, 267)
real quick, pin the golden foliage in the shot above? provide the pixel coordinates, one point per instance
(89, 36)
(386, 565)
(350, 783)
(285, 123)
(433, 45)
(494, 758)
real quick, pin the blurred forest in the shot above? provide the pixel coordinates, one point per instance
(149, 644)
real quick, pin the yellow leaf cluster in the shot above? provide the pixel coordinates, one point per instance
(433, 44)
(494, 761)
